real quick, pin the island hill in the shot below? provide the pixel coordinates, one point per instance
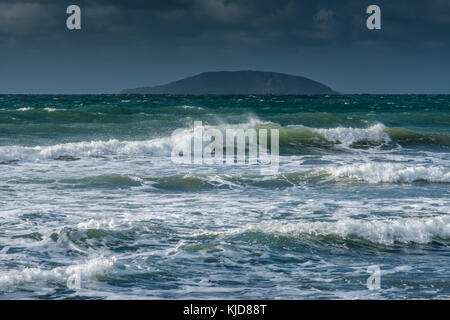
(238, 82)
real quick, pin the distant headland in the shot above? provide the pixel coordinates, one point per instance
(238, 82)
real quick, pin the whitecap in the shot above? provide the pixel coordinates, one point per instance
(375, 172)
(94, 267)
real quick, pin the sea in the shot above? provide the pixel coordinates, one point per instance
(92, 205)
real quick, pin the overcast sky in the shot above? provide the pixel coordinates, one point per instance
(126, 44)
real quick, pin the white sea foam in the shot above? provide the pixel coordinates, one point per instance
(53, 109)
(154, 147)
(157, 147)
(191, 107)
(377, 172)
(94, 267)
(347, 136)
(109, 224)
(387, 232)
(163, 146)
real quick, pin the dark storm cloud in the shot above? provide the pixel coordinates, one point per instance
(248, 22)
(127, 43)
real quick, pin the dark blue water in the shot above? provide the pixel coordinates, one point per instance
(89, 192)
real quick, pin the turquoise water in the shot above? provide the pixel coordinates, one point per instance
(88, 188)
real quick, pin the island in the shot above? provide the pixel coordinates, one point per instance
(238, 83)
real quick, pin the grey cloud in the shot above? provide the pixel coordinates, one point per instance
(26, 19)
(126, 43)
(259, 21)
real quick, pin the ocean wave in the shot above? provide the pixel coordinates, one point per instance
(369, 173)
(349, 136)
(191, 107)
(54, 109)
(24, 109)
(11, 279)
(407, 137)
(372, 172)
(344, 136)
(108, 224)
(391, 173)
(292, 139)
(105, 180)
(73, 151)
(191, 182)
(377, 135)
(386, 232)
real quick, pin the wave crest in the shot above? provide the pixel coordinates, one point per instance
(349, 136)
(391, 173)
(155, 147)
(387, 232)
(292, 139)
(13, 278)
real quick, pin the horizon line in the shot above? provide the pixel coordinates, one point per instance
(244, 94)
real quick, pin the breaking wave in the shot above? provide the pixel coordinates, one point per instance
(74, 151)
(391, 173)
(292, 139)
(386, 232)
(374, 172)
(373, 136)
(9, 280)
